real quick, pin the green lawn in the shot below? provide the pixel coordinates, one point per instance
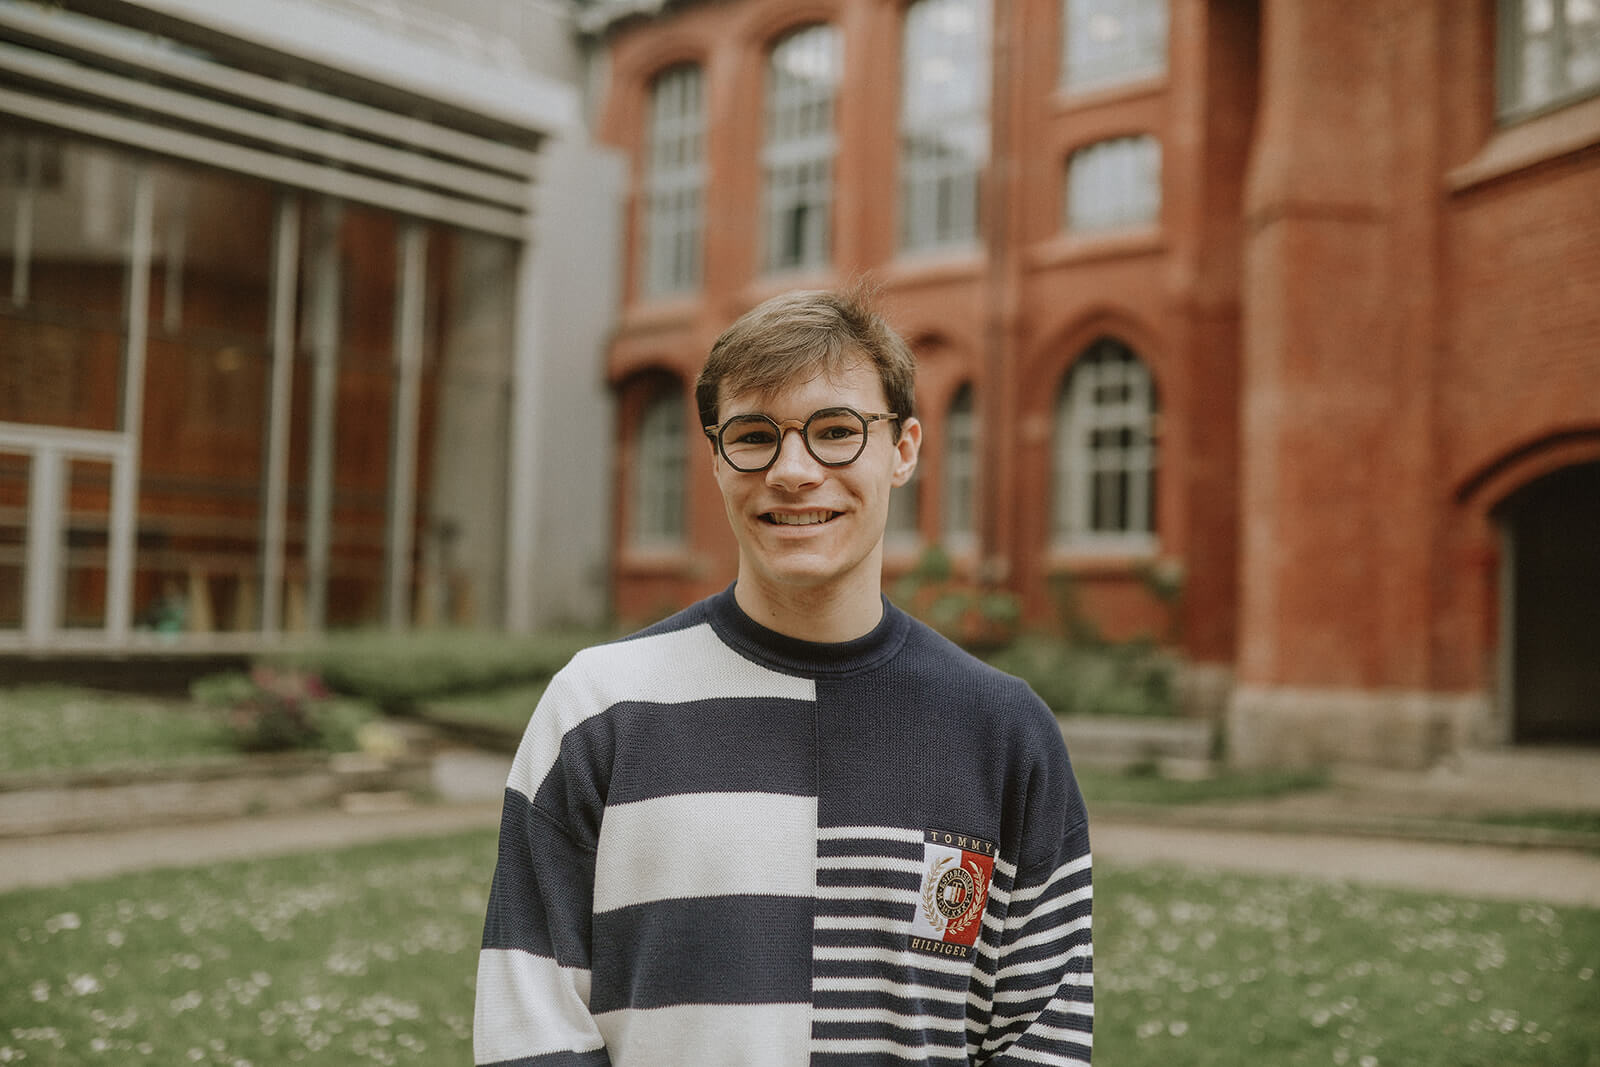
(55, 727)
(369, 954)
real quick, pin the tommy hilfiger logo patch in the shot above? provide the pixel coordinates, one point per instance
(956, 872)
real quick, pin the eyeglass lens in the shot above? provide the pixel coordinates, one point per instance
(834, 436)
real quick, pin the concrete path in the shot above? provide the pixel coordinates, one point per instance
(63, 858)
(1548, 875)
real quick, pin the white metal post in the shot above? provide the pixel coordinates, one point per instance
(125, 468)
(408, 327)
(324, 404)
(42, 585)
(280, 393)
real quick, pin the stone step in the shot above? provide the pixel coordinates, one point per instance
(1106, 741)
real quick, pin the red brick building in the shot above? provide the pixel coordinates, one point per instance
(1295, 303)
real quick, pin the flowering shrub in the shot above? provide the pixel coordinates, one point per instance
(280, 710)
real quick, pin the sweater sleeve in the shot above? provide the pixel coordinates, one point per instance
(1043, 1009)
(1044, 982)
(534, 966)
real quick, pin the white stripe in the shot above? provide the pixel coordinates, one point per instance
(884, 1015)
(870, 1044)
(900, 957)
(705, 845)
(528, 1005)
(1066, 870)
(870, 833)
(885, 985)
(648, 669)
(1009, 870)
(1054, 964)
(867, 892)
(708, 1035)
(1049, 934)
(1051, 1058)
(869, 863)
(1066, 1007)
(860, 922)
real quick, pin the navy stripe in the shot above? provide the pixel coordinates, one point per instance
(597, 1058)
(906, 1004)
(540, 908)
(877, 1059)
(703, 950)
(851, 847)
(914, 1037)
(907, 976)
(867, 908)
(864, 877)
(638, 751)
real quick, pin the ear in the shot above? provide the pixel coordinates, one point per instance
(906, 451)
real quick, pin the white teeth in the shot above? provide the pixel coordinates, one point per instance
(804, 518)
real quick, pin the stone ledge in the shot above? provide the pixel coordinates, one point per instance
(116, 798)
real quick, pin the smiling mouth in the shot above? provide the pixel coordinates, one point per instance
(803, 518)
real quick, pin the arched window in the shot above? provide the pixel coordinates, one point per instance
(960, 471)
(674, 182)
(1108, 42)
(944, 122)
(660, 455)
(797, 160)
(1114, 184)
(1105, 452)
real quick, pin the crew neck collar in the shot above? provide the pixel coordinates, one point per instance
(792, 655)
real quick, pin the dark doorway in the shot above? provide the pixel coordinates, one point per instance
(1553, 531)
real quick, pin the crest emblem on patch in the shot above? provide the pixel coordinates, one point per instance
(956, 872)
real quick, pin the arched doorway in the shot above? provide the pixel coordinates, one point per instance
(1551, 621)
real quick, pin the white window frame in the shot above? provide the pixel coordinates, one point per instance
(944, 122)
(797, 157)
(1108, 393)
(1111, 42)
(674, 193)
(1567, 32)
(1114, 184)
(960, 530)
(659, 491)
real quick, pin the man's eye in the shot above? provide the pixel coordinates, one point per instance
(754, 437)
(837, 432)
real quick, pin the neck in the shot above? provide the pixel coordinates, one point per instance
(828, 615)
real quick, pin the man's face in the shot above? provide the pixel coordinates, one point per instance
(803, 528)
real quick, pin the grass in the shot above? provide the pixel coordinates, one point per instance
(53, 727)
(510, 707)
(1138, 786)
(368, 954)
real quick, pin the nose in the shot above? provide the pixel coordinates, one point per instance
(795, 467)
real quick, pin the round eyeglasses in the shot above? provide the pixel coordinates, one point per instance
(835, 437)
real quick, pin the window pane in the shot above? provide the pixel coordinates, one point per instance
(1552, 52)
(207, 369)
(1105, 453)
(802, 77)
(66, 210)
(944, 121)
(674, 181)
(1114, 184)
(659, 469)
(1112, 41)
(960, 469)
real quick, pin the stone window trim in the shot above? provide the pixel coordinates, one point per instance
(1549, 136)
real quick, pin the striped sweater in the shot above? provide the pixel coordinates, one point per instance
(723, 846)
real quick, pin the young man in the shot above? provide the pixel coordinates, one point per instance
(791, 825)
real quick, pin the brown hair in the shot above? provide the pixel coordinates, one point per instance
(799, 334)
